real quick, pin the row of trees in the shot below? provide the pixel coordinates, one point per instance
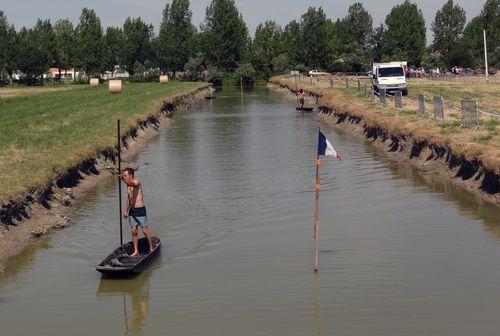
(222, 44)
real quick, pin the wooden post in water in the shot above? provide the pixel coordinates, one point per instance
(316, 213)
(120, 180)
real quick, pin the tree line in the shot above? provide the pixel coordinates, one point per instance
(223, 47)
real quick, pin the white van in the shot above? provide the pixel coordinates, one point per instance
(390, 76)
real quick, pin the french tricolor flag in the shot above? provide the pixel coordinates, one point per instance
(325, 147)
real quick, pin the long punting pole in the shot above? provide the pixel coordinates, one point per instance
(120, 180)
(316, 214)
(296, 89)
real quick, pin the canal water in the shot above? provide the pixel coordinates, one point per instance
(229, 190)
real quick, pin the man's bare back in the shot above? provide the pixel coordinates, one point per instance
(135, 210)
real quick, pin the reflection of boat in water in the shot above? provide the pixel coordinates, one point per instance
(135, 295)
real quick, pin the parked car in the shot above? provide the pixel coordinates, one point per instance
(315, 73)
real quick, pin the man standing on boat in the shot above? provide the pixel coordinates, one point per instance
(135, 210)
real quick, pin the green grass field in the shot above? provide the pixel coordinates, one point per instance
(45, 133)
(487, 95)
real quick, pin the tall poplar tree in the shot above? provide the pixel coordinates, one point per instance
(491, 23)
(266, 46)
(377, 47)
(225, 35)
(473, 41)
(404, 38)
(175, 41)
(448, 27)
(88, 43)
(64, 53)
(8, 48)
(355, 33)
(113, 44)
(314, 30)
(292, 42)
(36, 54)
(137, 46)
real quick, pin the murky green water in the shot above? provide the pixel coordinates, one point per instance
(229, 189)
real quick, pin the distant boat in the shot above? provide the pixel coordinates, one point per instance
(121, 263)
(305, 109)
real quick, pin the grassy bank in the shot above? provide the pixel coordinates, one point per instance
(15, 90)
(482, 145)
(488, 95)
(46, 133)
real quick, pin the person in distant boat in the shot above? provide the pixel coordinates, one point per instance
(301, 96)
(135, 210)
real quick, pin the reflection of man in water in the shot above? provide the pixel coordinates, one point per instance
(135, 210)
(140, 307)
(135, 299)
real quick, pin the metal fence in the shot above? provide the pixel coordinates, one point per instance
(438, 107)
(470, 115)
(383, 97)
(421, 105)
(398, 100)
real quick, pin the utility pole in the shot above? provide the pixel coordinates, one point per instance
(485, 55)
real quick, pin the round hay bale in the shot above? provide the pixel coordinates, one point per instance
(94, 82)
(115, 86)
(164, 79)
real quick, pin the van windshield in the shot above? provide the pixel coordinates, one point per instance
(391, 72)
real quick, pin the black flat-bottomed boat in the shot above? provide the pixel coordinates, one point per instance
(305, 109)
(120, 263)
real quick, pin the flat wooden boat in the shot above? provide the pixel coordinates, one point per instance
(120, 263)
(305, 109)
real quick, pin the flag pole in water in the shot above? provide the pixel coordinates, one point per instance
(316, 213)
(325, 148)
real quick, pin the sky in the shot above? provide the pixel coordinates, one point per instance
(114, 12)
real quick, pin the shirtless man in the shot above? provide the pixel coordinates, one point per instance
(301, 97)
(135, 210)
